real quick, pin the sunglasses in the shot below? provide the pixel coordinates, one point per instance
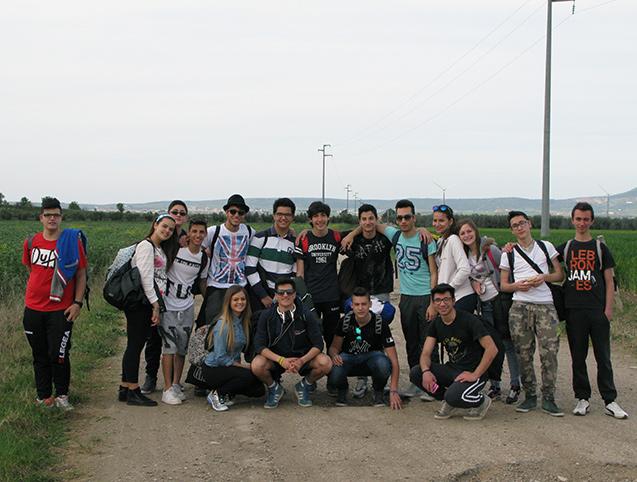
(178, 213)
(406, 217)
(442, 207)
(358, 334)
(52, 215)
(241, 212)
(289, 291)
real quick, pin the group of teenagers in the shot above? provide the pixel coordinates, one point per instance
(272, 305)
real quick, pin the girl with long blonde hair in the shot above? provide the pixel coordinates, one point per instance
(222, 370)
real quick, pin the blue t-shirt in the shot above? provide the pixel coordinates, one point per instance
(413, 268)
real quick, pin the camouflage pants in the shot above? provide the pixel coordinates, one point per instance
(527, 322)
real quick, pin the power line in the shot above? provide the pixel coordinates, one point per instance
(346, 141)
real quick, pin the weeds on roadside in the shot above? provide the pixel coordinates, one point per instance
(30, 435)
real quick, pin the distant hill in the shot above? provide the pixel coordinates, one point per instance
(624, 204)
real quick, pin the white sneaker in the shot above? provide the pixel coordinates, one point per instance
(180, 386)
(615, 410)
(425, 397)
(170, 397)
(412, 391)
(445, 411)
(178, 392)
(228, 400)
(63, 402)
(360, 388)
(217, 402)
(582, 408)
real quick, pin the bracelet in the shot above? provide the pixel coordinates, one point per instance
(281, 360)
(393, 391)
(155, 309)
(427, 370)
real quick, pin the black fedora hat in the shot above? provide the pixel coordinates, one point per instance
(237, 200)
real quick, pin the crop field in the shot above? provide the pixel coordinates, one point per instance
(105, 238)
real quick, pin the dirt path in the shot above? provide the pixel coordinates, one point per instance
(114, 442)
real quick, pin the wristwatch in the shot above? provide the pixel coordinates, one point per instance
(78, 303)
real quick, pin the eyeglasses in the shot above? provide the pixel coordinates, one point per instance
(442, 207)
(178, 213)
(521, 224)
(358, 334)
(285, 292)
(52, 215)
(240, 212)
(406, 217)
(284, 215)
(446, 300)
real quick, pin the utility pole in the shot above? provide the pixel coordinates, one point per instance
(348, 189)
(324, 156)
(546, 164)
(355, 199)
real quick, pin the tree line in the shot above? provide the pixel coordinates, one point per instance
(25, 210)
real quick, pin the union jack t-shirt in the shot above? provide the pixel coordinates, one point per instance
(228, 256)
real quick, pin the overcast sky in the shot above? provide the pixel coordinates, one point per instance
(140, 101)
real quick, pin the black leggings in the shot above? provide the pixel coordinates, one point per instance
(138, 323)
(233, 380)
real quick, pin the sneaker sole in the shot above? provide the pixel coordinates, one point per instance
(577, 413)
(442, 417)
(358, 394)
(524, 410)
(612, 414)
(342, 404)
(552, 414)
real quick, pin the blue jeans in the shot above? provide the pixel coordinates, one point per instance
(509, 347)
(374, 363)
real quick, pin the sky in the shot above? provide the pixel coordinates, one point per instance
(143, 101)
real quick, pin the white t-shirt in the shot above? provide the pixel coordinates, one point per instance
(523, 270)
(229, 253)
(181, 278)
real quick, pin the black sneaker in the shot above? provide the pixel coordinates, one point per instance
(494, 393)
(549, 406)
(379, 398)
(149, 385)
(529, 403)
(514, 396)
(341, 398)
(200, 392)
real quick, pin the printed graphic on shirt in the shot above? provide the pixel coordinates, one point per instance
(321, 252)
(408, 257)
(43, 257)
(232, 253)
(581, 265)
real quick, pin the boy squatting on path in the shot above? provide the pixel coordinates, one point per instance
(56, 262)
(589, 291)
(470, 349)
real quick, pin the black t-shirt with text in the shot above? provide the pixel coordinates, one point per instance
(372, 263)
(460, 340)
(319, 257)
(584, 285)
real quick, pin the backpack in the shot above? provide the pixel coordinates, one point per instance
(423, 250)
(198, 347)
(123, 287)
(378, 322)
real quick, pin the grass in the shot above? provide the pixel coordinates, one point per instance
(30, 435)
